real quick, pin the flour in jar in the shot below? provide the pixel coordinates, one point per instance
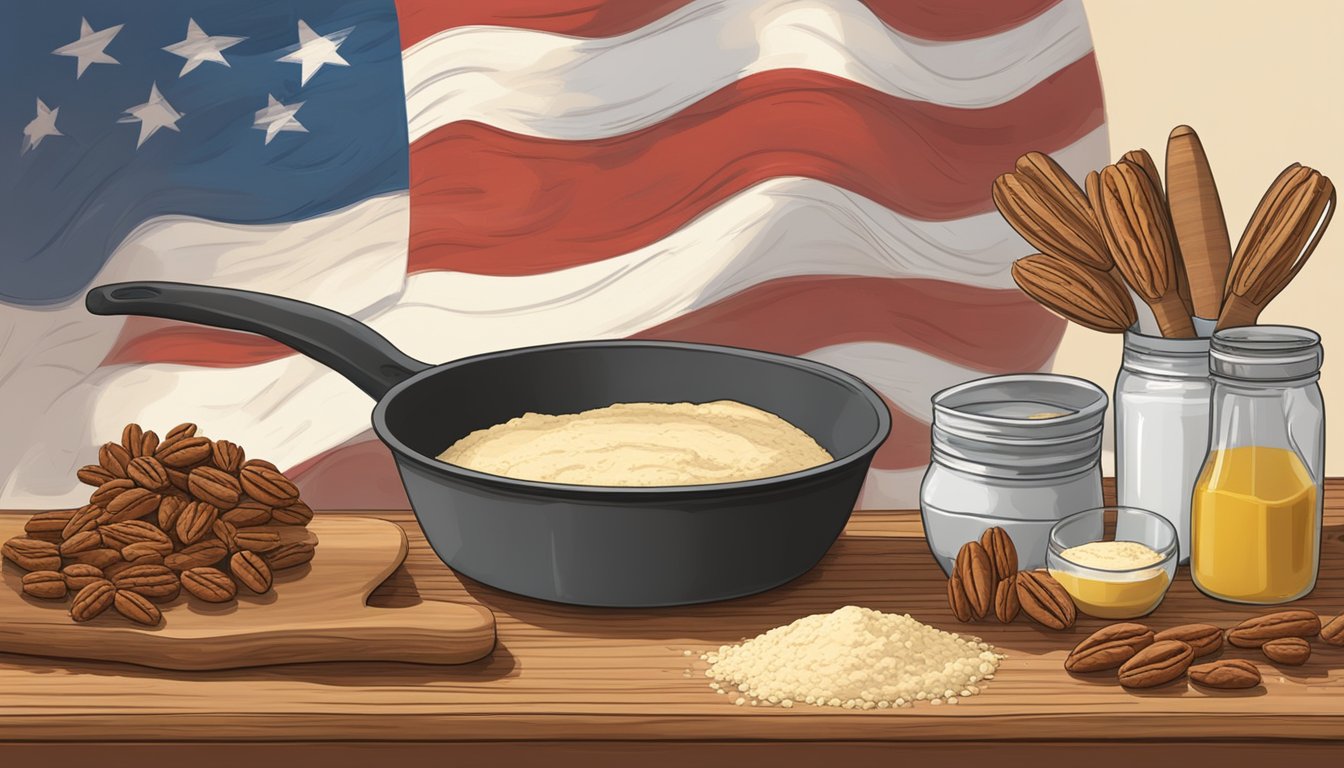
(641, 444)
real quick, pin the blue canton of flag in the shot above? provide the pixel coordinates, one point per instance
(252, 112)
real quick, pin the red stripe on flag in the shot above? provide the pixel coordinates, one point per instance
(150, 340)
(492, 202)
(927, 19)
(990, 330)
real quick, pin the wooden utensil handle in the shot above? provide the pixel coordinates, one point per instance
(1238, 311)
(1172, 317)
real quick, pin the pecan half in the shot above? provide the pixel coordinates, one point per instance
(1158, 664)
(1006, 604)
(49, 526)
(956, 598)
(288, 555)
(215, 486)
(195, 521)
(81, 542)
(1002, 554)
(184, 452)
(209, 584)
(267, 485)
(169, 509)
(136, 607)
(1333, 631)
(132, 504)
(1045, 601)
(132, 438)
(256, 541)
(86, 519)
(119, 535)
(297, 513)
(201, 554)
(1226, 674)
(1293, 651)
(153, 581)
(185, 429)
(1109, 647)
(93, 474)
(92, 600)
(1255, 632)
(114, 458)
(251, 571)
(47, 585)
(249, 513)
(103, 558)
(80, 575)
(227, 456)
(108, 491)
(146, 552)
(148, 473)
(1203, 639)
(32, 554)
(977, 577)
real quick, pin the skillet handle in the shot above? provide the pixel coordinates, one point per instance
(339, 342)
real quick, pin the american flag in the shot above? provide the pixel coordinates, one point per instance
(802, 176)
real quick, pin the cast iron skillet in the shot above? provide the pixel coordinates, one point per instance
(584, 545)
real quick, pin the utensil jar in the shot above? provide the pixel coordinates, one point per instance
(1162, 426)
(1256, 514)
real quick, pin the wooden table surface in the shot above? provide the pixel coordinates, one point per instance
(607, 687)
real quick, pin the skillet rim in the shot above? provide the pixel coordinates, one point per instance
(455, 473)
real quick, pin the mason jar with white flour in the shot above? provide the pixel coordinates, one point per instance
(1162, 426)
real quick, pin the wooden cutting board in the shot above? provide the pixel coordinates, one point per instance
(316, 612)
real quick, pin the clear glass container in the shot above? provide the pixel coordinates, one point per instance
(1256, 510)
(1114, 592)
(1019, 452)
(1162, 426)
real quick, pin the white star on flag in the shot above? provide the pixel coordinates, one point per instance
(199, 47)
(42, 126)
(314, 50)
(89, 48)
(154, 114)
(277, 117)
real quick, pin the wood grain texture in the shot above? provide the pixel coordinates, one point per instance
(1197, 218)
(314, 612)
(565, 674)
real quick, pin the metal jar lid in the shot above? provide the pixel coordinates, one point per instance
(1169, 358)
(1019, 425)
(1266, 353)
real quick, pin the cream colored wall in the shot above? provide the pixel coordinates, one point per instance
(1260, 82)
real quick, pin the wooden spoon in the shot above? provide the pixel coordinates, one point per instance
(1139, 237)
(1282, 234)
(1197, 219)
(1086, 296)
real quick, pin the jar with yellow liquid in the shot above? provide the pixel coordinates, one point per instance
(1256, 509)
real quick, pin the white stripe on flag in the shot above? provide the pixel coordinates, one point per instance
(510, 78)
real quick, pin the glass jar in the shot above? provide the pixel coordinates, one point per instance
(1256, 511)
(1162, 426)
(1018, 452)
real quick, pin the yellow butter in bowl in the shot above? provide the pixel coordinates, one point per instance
(1123, 594)
(1122, 575)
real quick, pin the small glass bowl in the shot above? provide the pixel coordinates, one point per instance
(1121, 593)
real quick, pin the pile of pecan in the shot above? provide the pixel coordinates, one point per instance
(1147, 659)
(985, 579)
(185, 513)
